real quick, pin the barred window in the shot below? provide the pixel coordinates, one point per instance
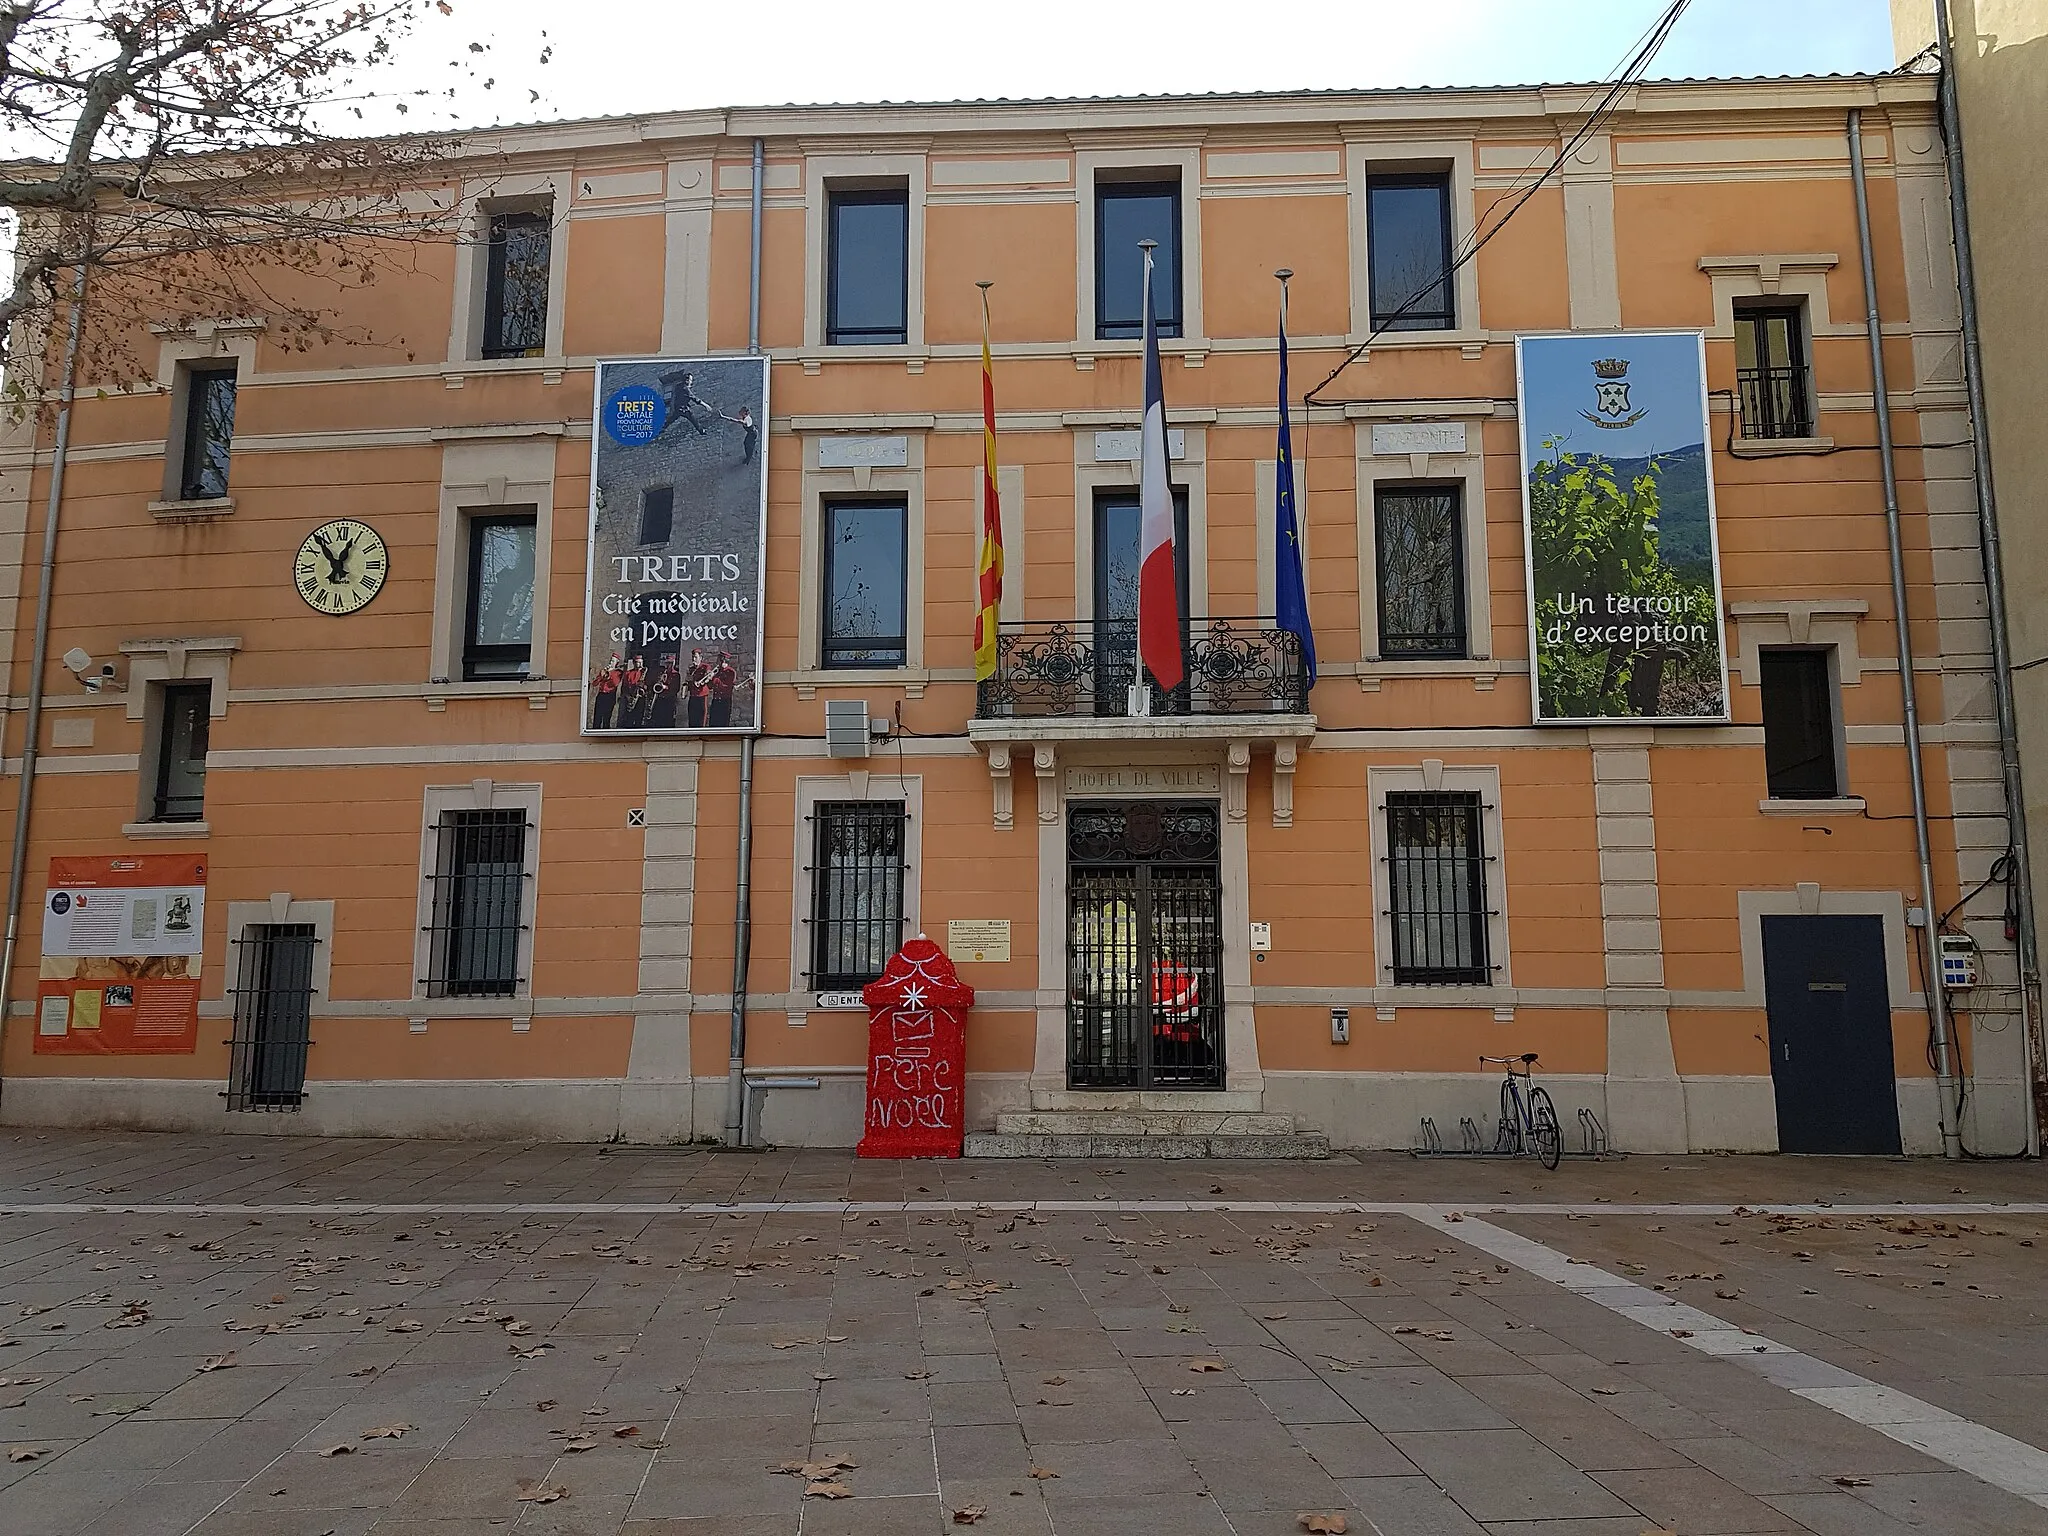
(273, 1017)
(1770, 371)
(1420, 534)
(1436, 884)
(479, 904)
(856, 890)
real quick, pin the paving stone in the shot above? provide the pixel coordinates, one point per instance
(1506, 1474)
(1413, 1506)
(1693, 1500)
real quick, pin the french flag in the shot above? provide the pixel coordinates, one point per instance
(1159, 631)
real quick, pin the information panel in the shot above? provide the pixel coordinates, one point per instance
(122, 940)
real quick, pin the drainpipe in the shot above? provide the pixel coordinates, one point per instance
(17, 868)
(1937, 1000)
(1994, 585)
(743, 904)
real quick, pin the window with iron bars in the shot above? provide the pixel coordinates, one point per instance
(273, 1017)
(856, 890)
(479, 907)
(1770, 372)
(1436, 887)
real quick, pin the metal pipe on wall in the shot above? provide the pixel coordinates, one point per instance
(17, 868)
(1994, 583)
(743, 892)
(1930, 979)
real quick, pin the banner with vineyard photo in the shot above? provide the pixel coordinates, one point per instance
(1618, 522)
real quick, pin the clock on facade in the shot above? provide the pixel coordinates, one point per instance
(341, 566)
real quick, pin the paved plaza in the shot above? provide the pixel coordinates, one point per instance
(244, 1335)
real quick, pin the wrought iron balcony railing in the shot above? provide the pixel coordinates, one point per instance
(1775, 402)
(1083, 668)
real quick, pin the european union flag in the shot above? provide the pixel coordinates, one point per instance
(1290, 590)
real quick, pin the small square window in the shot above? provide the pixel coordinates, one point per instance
(1770, 371)
(1436, 883)
(519, 251)
(867, 267)
(1408, 238)
(865, 600)
(479, 903)
(183, 720)
(856, 891)
(1419, 534)
(209, 433)
(1801, 746)
(1127, 212)
(498, 625)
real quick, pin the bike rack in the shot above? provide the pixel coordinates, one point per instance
(1507, 1140)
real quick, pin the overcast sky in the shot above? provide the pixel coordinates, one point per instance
(614, 56)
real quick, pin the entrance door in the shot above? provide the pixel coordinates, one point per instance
(1144, 945)
(1831, 1034)
(1117, 557)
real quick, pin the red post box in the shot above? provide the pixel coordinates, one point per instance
(917, 1055)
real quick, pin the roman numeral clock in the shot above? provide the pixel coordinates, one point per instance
(341, 566)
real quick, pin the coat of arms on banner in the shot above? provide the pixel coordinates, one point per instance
(1610, 395)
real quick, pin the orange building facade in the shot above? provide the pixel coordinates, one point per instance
(1318, 907)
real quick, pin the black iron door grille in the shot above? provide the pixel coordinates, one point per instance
(273, 1017)
(1144, 945)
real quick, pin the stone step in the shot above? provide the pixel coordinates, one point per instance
(1292, 1144)
(1142, 1122)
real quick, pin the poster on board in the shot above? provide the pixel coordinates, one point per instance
(122, 939)
(678, 522)
(1618, 529)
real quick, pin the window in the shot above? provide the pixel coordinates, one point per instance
(865, 599)
(479, 897)
(182, 724)
(1420, 537)
(497, 638)
(1801, 757)
(209, 433)
(1408, 238)
(1127, 212)
(516, 284)
(273, 1017)
(856, 891)
(657, 514)
(867, 267)
(1770, 372)
(1436, 885)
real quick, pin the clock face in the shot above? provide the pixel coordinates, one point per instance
(341, 566)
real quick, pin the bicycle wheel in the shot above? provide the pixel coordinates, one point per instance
(1508, 1139)
(1549, 1136)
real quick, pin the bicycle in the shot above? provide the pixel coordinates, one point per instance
(1526, 1121)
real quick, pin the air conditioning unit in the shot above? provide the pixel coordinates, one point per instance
(846, 727)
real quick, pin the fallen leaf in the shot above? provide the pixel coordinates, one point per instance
(386, 1432)
(24, 1452)
(1055, 1381)
(1607, 1391)
(828, 1491)
(915, 1375)
(339, 1450)
(410, 1325)
(1853, 1482)
(580, 1443)
(515, 1326)
(970, 1514)
(625, 1430)
(530, 1354)
(1043, 1472)
(368, 1370)
(1204, 1365)
(540, 1493)
(1183, 1391)
(1335, 1524)
(1681, 1333)
(823, 1376)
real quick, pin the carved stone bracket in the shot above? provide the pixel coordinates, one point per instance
(1284, 754)
(1237, 780)
(1000, 787)
(1045, 762)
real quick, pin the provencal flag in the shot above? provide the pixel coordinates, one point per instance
(989, 567)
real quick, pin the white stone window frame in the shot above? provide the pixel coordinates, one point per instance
(1807, 624)
(1798, 280)
(547, 192)
(872, 786)
(477, 795)
(1432, 776)
(826, 174)
(1093, 165)
(151, 664)
(179, 356)
(283, 907)
(1187, 469)
(876, 482)
(484, 472)
(1465, 470)
(1366, 158)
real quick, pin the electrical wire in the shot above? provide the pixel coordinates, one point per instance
(1630, 73)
